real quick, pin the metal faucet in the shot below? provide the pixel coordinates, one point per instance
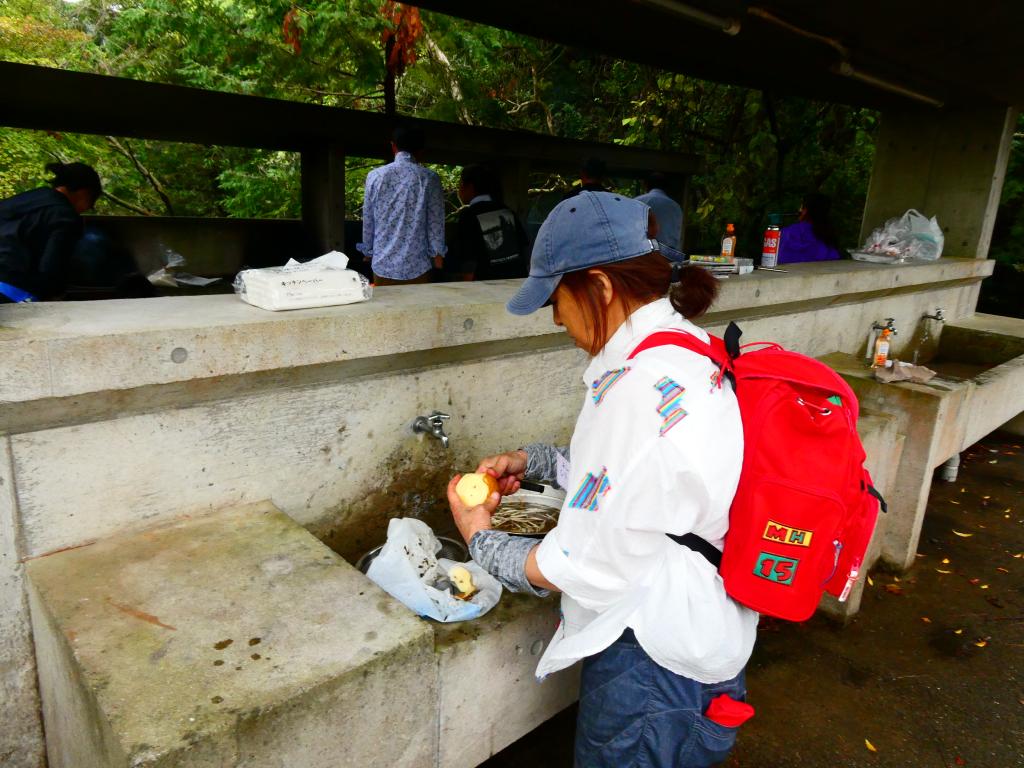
(432, 425)
(940, 317)
(890, 325)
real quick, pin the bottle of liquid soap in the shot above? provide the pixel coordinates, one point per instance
(881, 359)
(729, 243)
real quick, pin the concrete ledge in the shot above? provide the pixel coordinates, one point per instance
(72, 348)
(489, 696)
(883, 445)
(234, 639)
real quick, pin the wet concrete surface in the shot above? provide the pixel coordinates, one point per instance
(927, 675)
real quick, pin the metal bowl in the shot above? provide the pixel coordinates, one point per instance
(451, 549)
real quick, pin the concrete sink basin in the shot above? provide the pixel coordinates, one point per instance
(979, 386)
(971, 349)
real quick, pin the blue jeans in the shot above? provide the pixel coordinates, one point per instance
(635, 713)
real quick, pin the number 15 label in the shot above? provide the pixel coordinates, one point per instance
(776, 568)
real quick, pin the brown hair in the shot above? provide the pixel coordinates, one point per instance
(636, 282)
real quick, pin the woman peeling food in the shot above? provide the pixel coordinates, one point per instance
(657, 450)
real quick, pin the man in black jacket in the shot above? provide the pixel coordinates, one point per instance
(491, 243)
(38, 232)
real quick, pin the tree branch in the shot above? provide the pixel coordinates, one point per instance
(126, 151)
(449, 75)
(125, 204)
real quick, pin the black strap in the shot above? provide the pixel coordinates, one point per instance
(881, 502)
(732, 340)
(699, 545)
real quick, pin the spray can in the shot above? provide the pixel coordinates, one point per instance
(772, 240)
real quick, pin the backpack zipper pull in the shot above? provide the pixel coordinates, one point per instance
(850, 580)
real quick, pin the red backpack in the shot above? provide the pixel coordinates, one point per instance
(805, 508)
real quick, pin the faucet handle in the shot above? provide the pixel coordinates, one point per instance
(438, 416)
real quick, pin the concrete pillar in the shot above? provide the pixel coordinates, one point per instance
(686, 203)
(323, 196)
(514, 177)
(947, 163)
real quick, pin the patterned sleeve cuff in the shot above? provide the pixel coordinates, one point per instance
(542, 461)
(504, 557)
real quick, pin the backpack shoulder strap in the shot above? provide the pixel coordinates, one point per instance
(679, 339)
(721, 352)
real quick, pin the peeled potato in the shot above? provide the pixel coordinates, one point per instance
(474, 488)
(462, 580)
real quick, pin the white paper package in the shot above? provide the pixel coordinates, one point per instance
(322, 282)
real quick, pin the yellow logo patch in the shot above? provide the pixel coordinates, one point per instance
(786, 535)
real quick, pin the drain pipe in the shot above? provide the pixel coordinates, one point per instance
(950, 469)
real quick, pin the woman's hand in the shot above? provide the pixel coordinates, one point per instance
(469, 520)
(507, 468)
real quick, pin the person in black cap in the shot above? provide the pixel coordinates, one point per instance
(39, 230)
(655, 455)
(592, 175)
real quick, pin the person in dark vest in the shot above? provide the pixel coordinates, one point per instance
(39, 230)
(491, 243)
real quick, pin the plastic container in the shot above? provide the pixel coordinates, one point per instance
(729, 243)
(881, 359)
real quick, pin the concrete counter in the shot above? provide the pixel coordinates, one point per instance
(73, 348)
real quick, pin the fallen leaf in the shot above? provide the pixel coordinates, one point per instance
(984, 586)
(981, 643)
(870, 746)
(1001, 569)
(894, 589)
(974, 581)
(871, 582)
(958, 631)
(939, 570)
(945, 561)
(963, 535)
(986, 497)
(959, 760)
(994, 461)
(926, 620)
(954, 502)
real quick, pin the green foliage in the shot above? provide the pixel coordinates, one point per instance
(761, 152)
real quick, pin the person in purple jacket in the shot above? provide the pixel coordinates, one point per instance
(812, 237)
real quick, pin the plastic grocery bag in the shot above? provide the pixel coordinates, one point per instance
(407, 568)
(911, 237)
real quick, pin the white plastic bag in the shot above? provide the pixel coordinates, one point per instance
(407, 568)
(911, 237)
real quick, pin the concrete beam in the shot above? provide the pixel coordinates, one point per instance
(950, 164)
